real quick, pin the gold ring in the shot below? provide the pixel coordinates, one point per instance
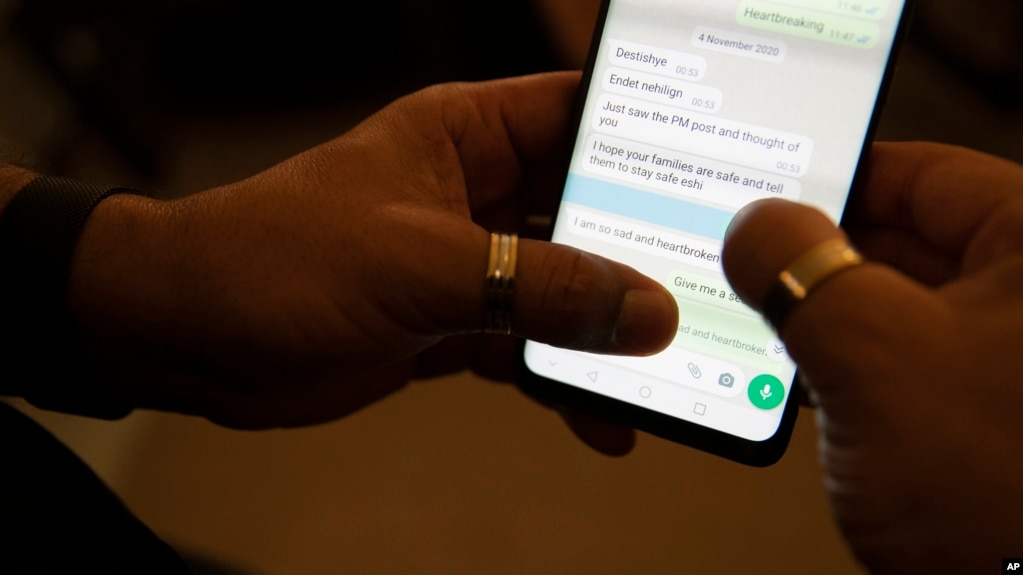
(500, 285)
(807, 272)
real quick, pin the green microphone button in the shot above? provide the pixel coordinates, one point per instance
(766, 391)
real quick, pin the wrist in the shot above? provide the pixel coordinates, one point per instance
(117, 268)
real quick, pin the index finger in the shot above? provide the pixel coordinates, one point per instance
(511, 137)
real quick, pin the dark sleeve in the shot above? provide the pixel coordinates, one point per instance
(57, 516)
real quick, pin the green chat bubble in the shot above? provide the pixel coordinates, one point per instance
(806, 23)
(870, 9)
(705, 289)
(741, 339)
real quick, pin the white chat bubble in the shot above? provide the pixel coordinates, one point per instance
(704, 254)
(708, 136)
(674, 172)
(663, 90)
(657, 60)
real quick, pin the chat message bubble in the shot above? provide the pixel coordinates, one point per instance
(664, 90)
(680, 173)
(636, 236)
(797, 21)
(708, 290)
(744, 339)
(686, 131)
(871, 9)
(738, 44)
(656, 60)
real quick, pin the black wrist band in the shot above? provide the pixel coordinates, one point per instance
(39, 229)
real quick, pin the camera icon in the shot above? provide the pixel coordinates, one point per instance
(726, 380)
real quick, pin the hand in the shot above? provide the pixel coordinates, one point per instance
(913, 359)
(326, 282)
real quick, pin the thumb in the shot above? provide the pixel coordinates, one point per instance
(754, 252)
(847, 328)
(569, 298)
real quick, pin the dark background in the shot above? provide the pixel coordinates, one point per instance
(456, 475)
(129, 75)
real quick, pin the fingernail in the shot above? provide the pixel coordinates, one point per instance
(647, 321)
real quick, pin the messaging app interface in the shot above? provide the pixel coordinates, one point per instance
(695, 109)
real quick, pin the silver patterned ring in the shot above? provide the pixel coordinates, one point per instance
(500, 286)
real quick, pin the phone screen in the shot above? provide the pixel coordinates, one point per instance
(692, 110)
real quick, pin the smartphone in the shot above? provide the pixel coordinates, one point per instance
(689, 110)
